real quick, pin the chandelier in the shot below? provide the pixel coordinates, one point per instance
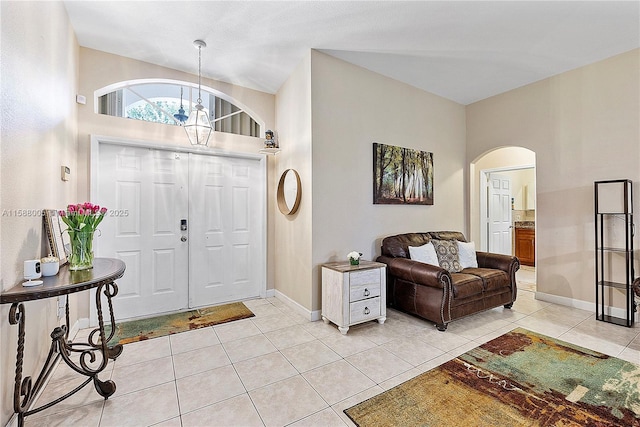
(198, 126)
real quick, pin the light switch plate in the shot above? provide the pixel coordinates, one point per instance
(64, 173)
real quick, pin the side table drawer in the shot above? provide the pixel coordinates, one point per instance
(365, 309)
(364, 277)
(359, 292)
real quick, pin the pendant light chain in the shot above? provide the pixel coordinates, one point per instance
(199, 73)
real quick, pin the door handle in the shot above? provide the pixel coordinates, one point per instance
(183, 239)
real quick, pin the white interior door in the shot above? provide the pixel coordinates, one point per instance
(499, 214)
(146, 192)
(225, 229)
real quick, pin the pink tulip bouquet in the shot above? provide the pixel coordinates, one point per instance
(82, 221)
(79, 216)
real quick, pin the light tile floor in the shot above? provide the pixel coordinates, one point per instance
(526, 278)
(278, 369)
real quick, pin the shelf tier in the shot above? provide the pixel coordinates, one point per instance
(612, 249)
(615, 213)
(617, 285)
(614, 320)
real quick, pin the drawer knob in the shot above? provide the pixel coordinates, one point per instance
(366, 292)
(366, 310)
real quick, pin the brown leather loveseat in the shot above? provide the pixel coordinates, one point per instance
(435, 294)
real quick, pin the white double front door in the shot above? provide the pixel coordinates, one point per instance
(188, 227)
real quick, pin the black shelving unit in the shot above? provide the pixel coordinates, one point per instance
(614, 249)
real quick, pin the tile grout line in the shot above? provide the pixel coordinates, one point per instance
(569, 321)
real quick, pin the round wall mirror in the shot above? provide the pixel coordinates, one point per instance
(289, 192)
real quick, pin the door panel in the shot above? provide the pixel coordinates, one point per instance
(146, 193)
(500, 229)
(225, 230)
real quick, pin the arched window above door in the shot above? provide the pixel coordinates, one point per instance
(159, 101)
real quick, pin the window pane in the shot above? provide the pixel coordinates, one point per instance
(159, 102)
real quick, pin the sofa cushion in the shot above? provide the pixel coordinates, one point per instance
(491, 279)
(466, 285)
(447, 251)
(467, 255)
(447, 235)
(425, 253)
(398, 246)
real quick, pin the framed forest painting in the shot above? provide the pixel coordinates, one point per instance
(402, 176)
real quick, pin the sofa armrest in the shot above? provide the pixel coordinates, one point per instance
(506, 263)
(416, 272)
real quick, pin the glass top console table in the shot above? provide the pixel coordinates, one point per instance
(93, 355)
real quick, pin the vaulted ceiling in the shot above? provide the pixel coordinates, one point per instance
(463, 51)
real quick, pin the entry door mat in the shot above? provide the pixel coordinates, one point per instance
(518, 379)
(154, 327)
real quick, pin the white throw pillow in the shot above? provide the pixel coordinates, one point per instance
(425, 253)
(467, 254)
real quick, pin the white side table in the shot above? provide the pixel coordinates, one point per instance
(353, 294)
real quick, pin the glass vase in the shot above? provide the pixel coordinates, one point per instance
(81, 257)
(354, 261)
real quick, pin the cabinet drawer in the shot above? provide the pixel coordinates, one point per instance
(359, 292)
(364, 277)
(364, 310)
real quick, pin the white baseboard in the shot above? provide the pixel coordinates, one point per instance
(583, 305)
(308, 314)
(271, 293)
(80, 324)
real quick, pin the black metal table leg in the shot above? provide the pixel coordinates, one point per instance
(93, 355)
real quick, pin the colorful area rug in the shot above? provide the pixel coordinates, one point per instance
(519, 379)
(144, 329)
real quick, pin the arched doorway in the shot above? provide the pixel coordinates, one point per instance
(503, 206)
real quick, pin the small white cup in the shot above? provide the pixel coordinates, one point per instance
(50, 266)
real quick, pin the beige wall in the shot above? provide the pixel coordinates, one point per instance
(584, 126)
(39, 71)
(351, 109)
(292, 256)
